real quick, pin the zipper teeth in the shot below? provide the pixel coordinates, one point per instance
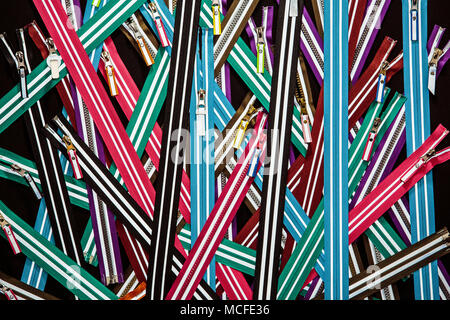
(312, 46)
(378, 259)
(299, 93)
(364, 35)
(402, 215)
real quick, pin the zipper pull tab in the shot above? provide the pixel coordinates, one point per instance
(253, 167)
(381, 82)
(159, 24)
(293, 8)
(143, 48)
(8, 293)
(306, 123)
(9, 234)
(21, 69)
(53, 60)
(110, 74)
(261, 48)
(201, 113)
(437, 54)
(423, 160)
(414, 23)
(72, 152)
(240, 133)
(216, 17)
(28, 178)
(371, 139)
(96, 3)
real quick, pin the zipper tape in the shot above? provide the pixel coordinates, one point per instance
(40, 80)
(400, 265)
(202, 140)
(421, 197)
(52, 181)
(55, 262)
(22, 290)
(437, 57)
(318, 14)
(169, 179)
(356, 13)
(279, 124)
(335, 150)
(368, 31)
(121, 203)
(218, 221)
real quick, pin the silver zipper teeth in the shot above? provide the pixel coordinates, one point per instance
(386, 155)
(402, 215)
(312, 46)
(378, 259)
(89, 131)
(224, 39)
(364, 34)
(250, 193)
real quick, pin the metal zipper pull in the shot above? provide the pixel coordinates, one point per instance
(293, 8)
(201, 113)
(381, 82)
(72, 152)
(423, 160)
(371, 139)
(437, 54)
(143, 48)
(159, 24)
(306, 123)
(21, 69)
(216, 17)
(253, 167)
(261, 49)
(28, 178)
(96, 3)
(240, 133)
(9, 234)
(110, 74)
(414, 23)
(8, 292)
(53, 60)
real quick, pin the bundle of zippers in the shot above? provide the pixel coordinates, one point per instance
(280, 197)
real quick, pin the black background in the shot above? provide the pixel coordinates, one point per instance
(17, 13)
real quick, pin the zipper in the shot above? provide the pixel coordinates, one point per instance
(400, 265)
(414, 20)
(217, 25)
(312, 46)
(243, 125)
(22, 72)
(141, 43)
(10, 295)
(28, 178)
(110, 74)
(371, 140)
(96, 3)
(422, 161)
(7, 229)
(253, 167)
(304, 117)
(433, 65)
(53, 60)
(72, 153)
(201, 113)
(159, 24)
(381, 82)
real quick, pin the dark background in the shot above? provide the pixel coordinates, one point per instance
(17, 13)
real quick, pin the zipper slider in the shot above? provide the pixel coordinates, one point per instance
(216, 17)
(145, 51)
(306, 123)
(243, 127)
(72, 152)
(96, 3)
(414, 23)
(437, 54)
(29, 179)
(253, 167)
(110, 74)
(201, 113)
(423, 160)
(261, 48)
(22, 70)
(371, 139)
(8, 292)
(382, 82)
(9, 234)
(53, 60)
(159, 24)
